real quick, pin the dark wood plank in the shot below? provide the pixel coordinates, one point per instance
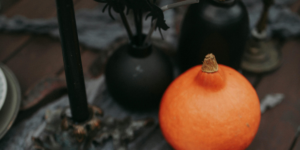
(38, 59)
(278, 125)
(295, 7)
(31, 9)
(34, 9)
(5, 4)
(252, 78)
(44, 53)
(9, 43)
(87, 58)
(87, 4)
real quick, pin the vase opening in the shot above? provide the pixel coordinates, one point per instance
(137, 50)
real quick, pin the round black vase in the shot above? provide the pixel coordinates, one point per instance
(137, 77)
(217, 27)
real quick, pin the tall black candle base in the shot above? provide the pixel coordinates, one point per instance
(62, 133)
(72, 60)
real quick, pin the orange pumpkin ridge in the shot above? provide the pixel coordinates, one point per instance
(210, 110)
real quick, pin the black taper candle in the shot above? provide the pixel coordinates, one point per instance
(72, 60)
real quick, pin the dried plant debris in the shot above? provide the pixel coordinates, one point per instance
(270, 101)
(121, 131)
(295, 139)
(138, 7)
(60, 134)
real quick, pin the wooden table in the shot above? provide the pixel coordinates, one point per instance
(35, 57)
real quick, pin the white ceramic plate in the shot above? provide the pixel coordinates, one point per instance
(11, 106)
(3, 88)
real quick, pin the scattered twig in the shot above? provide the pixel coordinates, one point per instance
(295, 138)
(137, 25)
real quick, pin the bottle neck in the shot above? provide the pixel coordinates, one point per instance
(140, 51)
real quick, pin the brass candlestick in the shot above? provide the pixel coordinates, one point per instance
(262, 54)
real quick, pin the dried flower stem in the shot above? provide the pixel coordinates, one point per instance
(164, 8)
(125, 22)
(136, 21)
(138, 25)
(140, 33)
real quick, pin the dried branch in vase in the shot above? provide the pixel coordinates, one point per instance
(139, 7)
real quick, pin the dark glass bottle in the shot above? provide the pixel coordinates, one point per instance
(220, 27)
(137, 76)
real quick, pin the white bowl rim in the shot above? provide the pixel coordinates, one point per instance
(3, 83)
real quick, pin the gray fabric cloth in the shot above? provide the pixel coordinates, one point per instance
(19, 136)
(97, 30)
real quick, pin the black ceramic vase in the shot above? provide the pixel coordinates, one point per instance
(220, 27)
(137, 77)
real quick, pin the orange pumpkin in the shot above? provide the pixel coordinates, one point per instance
(213, 109)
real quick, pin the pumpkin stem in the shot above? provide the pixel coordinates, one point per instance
(210, 64)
